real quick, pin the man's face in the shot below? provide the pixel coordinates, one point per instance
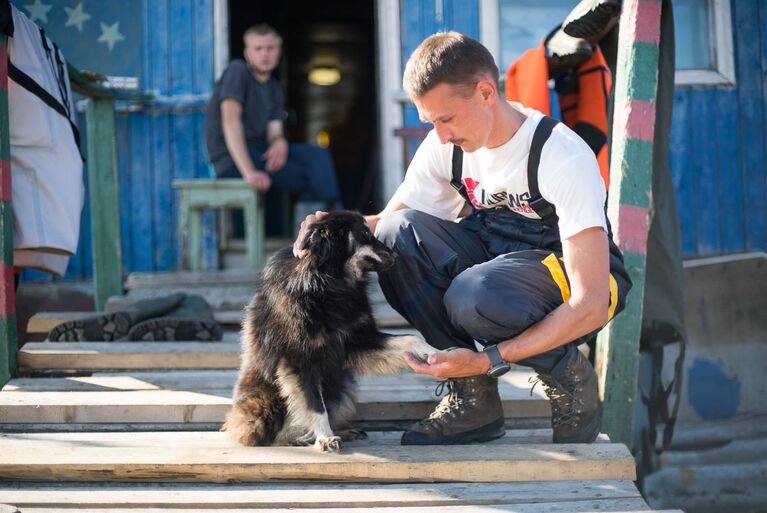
(262, 53)
(463, 120)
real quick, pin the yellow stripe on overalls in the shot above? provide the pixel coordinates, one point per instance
(558, 275)
(613, 297)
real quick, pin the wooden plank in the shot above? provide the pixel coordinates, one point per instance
(680, 162)
(204, 397)
(628, 207)
(730, 174)
(44, 322)
(308, 495)
(706, 177)
(209, 457)
(192, 407)
(202, 380)
(619, 505)
(8, 331)
(129, 355)
(104, 199)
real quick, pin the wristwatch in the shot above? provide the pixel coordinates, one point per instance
(498, 367)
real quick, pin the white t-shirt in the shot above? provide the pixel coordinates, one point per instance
(568, 178)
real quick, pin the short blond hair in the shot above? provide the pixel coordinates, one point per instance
(450, 58)
(262, 29)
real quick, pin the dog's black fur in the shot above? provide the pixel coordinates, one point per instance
(306, 333)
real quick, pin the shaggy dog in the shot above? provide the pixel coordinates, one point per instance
(305, 335)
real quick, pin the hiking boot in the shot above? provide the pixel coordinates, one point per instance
(592, 19)
(572, 391)
(470, 412)
(191, 320)
(565, 53)
(115, 323)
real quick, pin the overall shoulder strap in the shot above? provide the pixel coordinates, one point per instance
(541, 207)
(457, 172)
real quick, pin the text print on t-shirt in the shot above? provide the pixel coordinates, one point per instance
(480, 198)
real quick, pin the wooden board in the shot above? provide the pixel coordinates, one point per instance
(616, 505)
(129, 355)
(209, 457)
(205, 396)
(309, 495)
(44, 322)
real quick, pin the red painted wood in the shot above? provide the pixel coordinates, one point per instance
(631, 233)
(641, 120)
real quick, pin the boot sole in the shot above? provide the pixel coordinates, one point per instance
(163, 330)
(591, 22)
(586, 435)
(492, 431)
(105, 327)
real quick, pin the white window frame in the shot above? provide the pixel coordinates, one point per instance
(720, 22)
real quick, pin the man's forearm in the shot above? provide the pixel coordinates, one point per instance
(234, 135)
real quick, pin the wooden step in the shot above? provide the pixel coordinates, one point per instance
(209, 457)
(613, 506)
(597, 495)
(128, 355)
(205, 396)
(42, 323)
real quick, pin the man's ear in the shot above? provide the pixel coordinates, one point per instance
(486, 90)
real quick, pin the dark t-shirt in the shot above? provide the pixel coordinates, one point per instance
(261, 103)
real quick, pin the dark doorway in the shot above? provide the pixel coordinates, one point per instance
(339, 35)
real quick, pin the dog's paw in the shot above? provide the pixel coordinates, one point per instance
(329, 444)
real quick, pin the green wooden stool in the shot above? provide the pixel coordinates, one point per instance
(226, 193)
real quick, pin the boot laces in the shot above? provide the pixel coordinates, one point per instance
(564, 405)
(450, 403)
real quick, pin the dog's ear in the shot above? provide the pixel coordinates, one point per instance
(323, 248)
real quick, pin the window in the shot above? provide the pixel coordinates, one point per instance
(703, 34)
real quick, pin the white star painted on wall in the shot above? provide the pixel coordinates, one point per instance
(76, 17)
(110, 34)
(38, 11)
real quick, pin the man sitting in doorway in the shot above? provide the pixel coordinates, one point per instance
(244, 131)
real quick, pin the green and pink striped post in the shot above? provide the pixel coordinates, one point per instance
(628, 206)
(8, 334)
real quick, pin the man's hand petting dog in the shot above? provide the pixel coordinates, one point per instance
(305, 224)
(456, 363)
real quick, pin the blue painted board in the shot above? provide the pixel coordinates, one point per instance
(681, 169)
(705, 171)
(202, 30)
(164, 223)
(122, 134)
(141, 194)
(730, 175)
(748, 59)
(157, 45)
(181, 54)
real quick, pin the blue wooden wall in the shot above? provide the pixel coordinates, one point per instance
(163, 140)
(717, 148)
(420, 19)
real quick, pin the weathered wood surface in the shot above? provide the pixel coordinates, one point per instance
(205, 396)
(130, 355)
(617, 506)
(310, 495)
(209, 457)
(44, 322)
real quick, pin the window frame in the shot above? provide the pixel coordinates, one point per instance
(720, 26)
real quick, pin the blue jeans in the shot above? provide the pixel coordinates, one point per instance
(309, 172)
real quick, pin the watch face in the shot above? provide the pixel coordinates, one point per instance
(498, 370)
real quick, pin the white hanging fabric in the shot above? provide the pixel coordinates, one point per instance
(46, 166)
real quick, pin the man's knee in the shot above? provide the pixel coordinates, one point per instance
(394, 229)
(475, 304)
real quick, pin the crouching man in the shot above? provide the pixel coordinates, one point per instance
(502, 238)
